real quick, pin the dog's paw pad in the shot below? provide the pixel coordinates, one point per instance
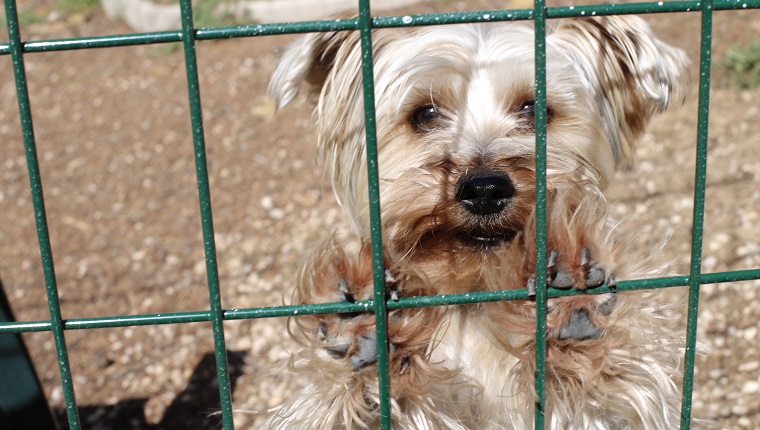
(351, 340)
(579, 327)
(581, 318)
(561, 280)
(607, 306)
(366, 351)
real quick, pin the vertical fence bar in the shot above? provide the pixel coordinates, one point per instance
(700, 176)
(40, 216)
(539, 16)
(207, 220)
(365, 31)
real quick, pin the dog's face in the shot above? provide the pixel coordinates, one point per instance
(456, 121)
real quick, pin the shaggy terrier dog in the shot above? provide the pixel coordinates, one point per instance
(456, 142)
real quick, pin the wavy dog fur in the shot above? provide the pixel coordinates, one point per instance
(456, 140)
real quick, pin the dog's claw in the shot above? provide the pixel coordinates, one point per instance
(394, 295)
(342, 285)
(561, 281)
(389, 278)
(390, 283)
(343, 288)
(404, 366)
(321, 332)
(531, 287)
(551, 260)
(612, 281)
(595, 276)
(585, 257)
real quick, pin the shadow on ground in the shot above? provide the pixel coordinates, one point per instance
(192, 409)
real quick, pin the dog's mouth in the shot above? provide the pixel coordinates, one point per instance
(485, 239)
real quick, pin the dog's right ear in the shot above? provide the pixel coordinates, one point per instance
(311, 59)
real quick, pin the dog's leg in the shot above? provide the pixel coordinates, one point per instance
(340, 356)
(350, 338)
(603, 348)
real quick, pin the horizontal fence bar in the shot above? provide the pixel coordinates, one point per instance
(366, 306)
(275, 29)
(109, 41)
(252, 30)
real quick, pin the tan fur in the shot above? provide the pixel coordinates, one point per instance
(612, 363)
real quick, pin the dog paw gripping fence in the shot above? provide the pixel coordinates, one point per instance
(216, 315)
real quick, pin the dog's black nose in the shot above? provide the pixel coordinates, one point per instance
(486, 194)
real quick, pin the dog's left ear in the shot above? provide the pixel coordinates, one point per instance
(310, 60)
(633, 74)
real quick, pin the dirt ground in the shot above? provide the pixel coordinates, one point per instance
(113, 135)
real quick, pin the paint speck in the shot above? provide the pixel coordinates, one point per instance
(744, 5)
(572, 7)
(659, 3)
(486, 16)
(583, 12)
(407, 19)
(295, 312)
(593, 13)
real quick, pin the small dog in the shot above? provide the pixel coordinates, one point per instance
(456, 134)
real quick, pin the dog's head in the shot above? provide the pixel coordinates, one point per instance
(456, 119)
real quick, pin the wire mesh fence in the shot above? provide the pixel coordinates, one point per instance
(17, 49)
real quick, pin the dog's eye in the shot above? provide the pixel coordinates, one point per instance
(426, 118)
(527, 111)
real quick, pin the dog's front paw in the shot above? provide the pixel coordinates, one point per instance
(578, 318)
(351, 336)
(339, 358)
(349, 340)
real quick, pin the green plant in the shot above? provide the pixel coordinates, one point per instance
(212, 13)
(28, 17)
(84, 7)
(743, 65)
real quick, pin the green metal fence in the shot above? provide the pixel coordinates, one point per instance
(188, 35)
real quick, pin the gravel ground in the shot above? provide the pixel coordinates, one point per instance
(113, 134)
